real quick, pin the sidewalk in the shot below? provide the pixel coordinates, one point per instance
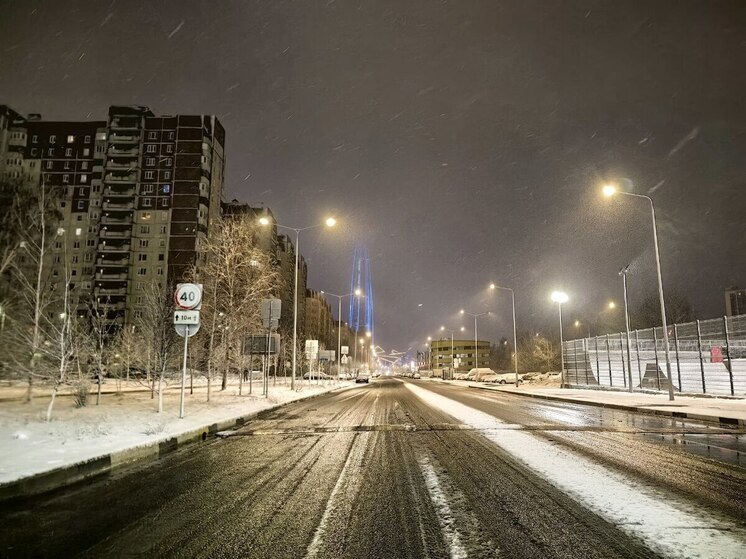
(78, 443)
(726, 411)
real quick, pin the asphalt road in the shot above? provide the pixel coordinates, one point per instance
(376, 472)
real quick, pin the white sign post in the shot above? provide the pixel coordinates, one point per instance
(188, 300)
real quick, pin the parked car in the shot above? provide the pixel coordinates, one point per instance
(416, 375)
(504, 378)
(314, 375)
(362, 377)
(477, 375)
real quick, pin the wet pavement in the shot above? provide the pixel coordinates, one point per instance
(375, 472)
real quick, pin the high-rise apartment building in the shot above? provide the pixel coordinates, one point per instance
(735, 301)
(140, 194)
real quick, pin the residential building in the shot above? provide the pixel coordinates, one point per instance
(140, 194)
(318, 320)
(464, 350)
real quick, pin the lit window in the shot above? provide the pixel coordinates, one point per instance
(70, 139)
(87, 140)
(86, 152)
(84, 178)
(68, 152)
(78, 231)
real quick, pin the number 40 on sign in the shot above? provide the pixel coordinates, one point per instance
(188, 296)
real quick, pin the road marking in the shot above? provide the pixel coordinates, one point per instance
(667, 524)
(443, 510)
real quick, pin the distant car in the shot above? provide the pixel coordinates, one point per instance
(362, 377)
(504, 378)
(314, 375)
(416, 375)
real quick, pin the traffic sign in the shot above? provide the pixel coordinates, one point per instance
(271, 309)
(345, 350)
(184, 329)
(186, 317)
(188, 296)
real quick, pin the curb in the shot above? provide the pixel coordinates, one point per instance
(729, 421)
(107, 463)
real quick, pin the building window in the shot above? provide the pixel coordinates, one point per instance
(81, 206)
(163, 229)
(50, 152)
(140, 286)
(148, 188)
(75, 259)
(162, 243)
(150, 161)
(101, 136)
(169, 148)
(152, 135)
(159, 271)
(90, 242)
(84, 165)
(84, 178)
(76, 244)
(78, 231)
(49, 166)
(68, 152)
(170, 135)
(70, 139)
(150, 148)
(145, 215)
(52, 139)
(164, 202)
(144, 229)
(87, 140)
(144, 244)
(65, 179)
(141, 271)
(166, 188)
(161, 257)
(142, 257)
(166, 175)
(67, 165)
(147, 202)
(139, 300)
(81, 191)
(35, 139)
(149, 175)
(87, 152)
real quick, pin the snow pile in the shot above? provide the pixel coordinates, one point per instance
(667, 524)
(30, 446)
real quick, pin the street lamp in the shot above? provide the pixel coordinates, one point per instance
(476, 339)
(356, 293)
(330, 222)
(494, 286)
(610, 190)
(560, 297)
(444, 329)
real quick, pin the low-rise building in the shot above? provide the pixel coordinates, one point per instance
(463, 351)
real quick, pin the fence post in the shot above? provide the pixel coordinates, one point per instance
(657, 366)
(676, 347)
(701, 363)
(727, 354)
(575, 351)
(586, 362)
(637, 351)
(608, 359)
(598, 364)
(621, 353)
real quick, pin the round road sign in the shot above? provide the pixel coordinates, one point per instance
(188, 295)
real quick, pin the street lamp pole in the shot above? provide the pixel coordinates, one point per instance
(560, 297)
(610, 190)
(330, 222)
(623, 273)
(515, 333)
(453, 358)
(476, 338)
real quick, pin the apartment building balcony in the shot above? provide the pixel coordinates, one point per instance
(101, 275)
(109, 220)
(111, 292)
(122, 163)
(115, 151)
(115, 178)
(113, 247)
(124, 124)
(118, 206)
(113, 262)
(113, 234)
(125, 193)
(123, 139)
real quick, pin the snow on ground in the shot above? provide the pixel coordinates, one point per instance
(666, 523)
(28, 445)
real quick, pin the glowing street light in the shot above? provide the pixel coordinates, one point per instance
(561, 297)
(330, 222)
(610, 190)
(612, 305)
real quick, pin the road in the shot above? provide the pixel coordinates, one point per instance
(411, 469)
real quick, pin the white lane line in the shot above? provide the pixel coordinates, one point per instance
(668, 525)
(443, 510)
(353, 461)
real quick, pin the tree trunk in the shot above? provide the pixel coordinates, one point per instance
(224, 383)
(209, 386)
(98, 392)
(48, 416)
(160, 392)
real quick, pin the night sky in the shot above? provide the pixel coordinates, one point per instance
(462, 142)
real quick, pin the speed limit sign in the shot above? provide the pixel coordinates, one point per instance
(188, 296)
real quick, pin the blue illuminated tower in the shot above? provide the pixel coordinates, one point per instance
(361, 308)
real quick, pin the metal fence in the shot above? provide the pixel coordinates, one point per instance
(707, 356)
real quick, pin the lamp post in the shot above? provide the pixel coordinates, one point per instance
(430, 354)
(608, 191)
(560, 297)
(444, 329)
(623, 273)
(476, 339)
(515, 333)
(330, 222)
(356, 293)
